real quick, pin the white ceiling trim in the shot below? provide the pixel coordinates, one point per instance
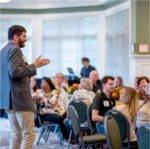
(41, 4)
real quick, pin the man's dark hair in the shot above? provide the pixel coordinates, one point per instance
(142, 78)
(85, 59)
(15, 30)
(106, 78)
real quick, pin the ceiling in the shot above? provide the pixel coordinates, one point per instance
(44, 4)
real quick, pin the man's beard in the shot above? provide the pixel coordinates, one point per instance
(21, 44)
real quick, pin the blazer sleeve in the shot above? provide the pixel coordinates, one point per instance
(17, 67)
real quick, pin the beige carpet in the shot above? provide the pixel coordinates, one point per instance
(52, 143)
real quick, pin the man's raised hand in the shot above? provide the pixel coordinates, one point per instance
(39, 62)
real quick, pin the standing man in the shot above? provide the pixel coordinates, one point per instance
(15, 95)
(87, 68)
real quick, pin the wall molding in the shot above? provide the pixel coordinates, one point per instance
(62, 10)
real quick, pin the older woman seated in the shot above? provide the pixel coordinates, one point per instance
(84, 92)
(51, 107)
(61, 85)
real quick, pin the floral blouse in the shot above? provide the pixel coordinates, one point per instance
(85, 95)
(50, 102)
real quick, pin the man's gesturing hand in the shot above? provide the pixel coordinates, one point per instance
(39, 62)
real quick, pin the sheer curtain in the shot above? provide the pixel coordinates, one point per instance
(117, 45)
(66, 40)
(5, 23)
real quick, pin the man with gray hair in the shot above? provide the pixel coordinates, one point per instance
(96, 82)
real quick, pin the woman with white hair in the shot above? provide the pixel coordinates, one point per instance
(84, 92)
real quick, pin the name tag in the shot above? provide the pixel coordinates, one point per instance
(106, 103)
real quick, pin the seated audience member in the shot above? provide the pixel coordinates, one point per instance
(60, 84)
(33, 87)
(143, 82)
(118, 82)
(96, 82)
(102, 103)
(87, 68)
(84, 92)
(51, 107)
(143, 116)
(129, 107)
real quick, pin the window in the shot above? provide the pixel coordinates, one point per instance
(5, 23)
(65, 41)
(117, 45)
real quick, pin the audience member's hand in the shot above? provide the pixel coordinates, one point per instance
(36, 98)
(38, 95)
(39, 62)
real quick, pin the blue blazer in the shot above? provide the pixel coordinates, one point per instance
(14, 80)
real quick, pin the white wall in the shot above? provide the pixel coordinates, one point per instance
(139, 66)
